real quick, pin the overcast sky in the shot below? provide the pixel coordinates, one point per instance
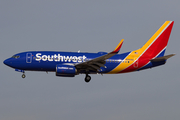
(89, 26)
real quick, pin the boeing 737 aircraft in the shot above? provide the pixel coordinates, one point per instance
(69, 64)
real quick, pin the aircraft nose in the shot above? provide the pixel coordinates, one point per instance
(7, 62)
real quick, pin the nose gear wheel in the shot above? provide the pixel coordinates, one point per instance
(23, 75)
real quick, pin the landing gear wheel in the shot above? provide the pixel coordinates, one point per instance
(23, 75)
(87, 78)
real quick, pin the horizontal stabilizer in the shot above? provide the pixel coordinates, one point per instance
(162, 58)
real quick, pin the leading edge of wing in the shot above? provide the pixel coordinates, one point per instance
(100, 59)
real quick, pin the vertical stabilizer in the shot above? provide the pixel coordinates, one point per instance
(156, 45)
(154, 48)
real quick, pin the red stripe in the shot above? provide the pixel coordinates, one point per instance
(153, 50)
(117, 50)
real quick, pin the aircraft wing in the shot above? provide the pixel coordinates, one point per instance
(98, 62)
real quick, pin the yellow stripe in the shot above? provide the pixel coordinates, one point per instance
(119, 44)
(155, 35)
(124, 64)
(134, 55)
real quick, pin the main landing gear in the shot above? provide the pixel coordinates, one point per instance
(87, 78)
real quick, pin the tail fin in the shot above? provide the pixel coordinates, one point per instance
(153, 49)
(156, 45)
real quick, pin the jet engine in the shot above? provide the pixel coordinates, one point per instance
(65, 70)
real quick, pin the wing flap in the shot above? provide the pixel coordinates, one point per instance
(95, 67)
(99, 64)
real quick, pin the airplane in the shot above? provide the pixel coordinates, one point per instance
(69, 64)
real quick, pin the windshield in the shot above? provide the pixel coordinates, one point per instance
(15, 56)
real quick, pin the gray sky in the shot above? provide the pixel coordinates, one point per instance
(89, 26)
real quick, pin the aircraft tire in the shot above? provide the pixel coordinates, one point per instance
(23, 75)
(87, 78)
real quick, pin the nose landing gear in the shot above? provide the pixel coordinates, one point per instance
(87, 78)
(22, 71)
(23, 75)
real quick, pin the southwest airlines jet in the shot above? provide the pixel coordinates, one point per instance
(69, 64)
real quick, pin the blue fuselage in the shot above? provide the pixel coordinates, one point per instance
(48, 60)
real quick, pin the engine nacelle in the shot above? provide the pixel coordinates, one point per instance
(65, 70)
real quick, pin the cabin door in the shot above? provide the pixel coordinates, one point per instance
(28, 57)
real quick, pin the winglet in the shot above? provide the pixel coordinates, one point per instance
(116, 50)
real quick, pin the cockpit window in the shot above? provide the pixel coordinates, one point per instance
(15, 56)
